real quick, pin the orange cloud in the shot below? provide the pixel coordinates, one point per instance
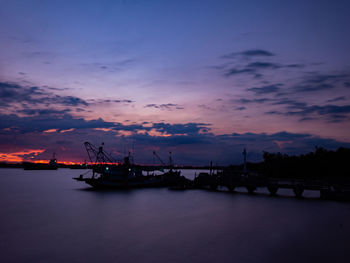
(103, 129)
(68, 130)
(124, 133)
(155, 133)
(50, 130)
(18, 156)
(141, 131)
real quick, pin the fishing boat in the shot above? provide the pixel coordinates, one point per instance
(108, 173)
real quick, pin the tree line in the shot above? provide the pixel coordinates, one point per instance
(321, 164)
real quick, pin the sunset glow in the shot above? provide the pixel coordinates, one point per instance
(16, 157)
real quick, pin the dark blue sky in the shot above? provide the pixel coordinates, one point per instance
(151, 70)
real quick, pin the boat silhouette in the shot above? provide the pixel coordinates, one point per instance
(108, 173)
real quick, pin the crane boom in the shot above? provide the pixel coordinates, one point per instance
(97, 156)
(155, 154)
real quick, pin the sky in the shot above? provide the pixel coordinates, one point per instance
(200, 79)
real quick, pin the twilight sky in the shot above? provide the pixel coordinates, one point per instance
(203, 79)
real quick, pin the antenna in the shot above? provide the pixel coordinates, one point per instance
(244, 160)
(170, 160)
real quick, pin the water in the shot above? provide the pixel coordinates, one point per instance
(48, 217)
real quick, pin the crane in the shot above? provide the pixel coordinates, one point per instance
(98, 156)
(171, 162)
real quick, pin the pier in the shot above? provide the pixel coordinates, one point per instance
(329, 189)
(323, 171)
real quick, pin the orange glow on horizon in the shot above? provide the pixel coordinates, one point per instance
(71, 162)
(59, 162)
(16, 157)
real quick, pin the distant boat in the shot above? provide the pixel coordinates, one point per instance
(52, 165)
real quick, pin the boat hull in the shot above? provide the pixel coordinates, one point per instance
(34, 166)
(102, 183)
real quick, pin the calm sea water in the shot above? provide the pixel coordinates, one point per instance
(48, 217)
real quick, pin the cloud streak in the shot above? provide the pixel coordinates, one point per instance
(250, 53)
(253, 62)
(266, 89)
(322, 82)
(168, 106)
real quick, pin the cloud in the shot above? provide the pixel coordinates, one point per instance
(18, 99)
(49, 120)
(250, 53)
(123, 101)
(191, 143)
(253, 62)
(336, 99)
(248, 101)
(188, 128)
(51, 112)
(295, 101)
(297, 97)
(204, 107)
(254, 69)
(326, 109)
(289, 107)
(168, 106)
(19, 156)
(334, 113)
(236, 71)
(265, 89)
(290, 103)
(321, 82)
(109, 101)
(68, 100)
(56, 89)
(263, 65)
(257, 52)
(240, 108)
(313, 87)
(13, 93)
(42, 120)
(322, 78)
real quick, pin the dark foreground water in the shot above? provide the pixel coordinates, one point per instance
(48, 217)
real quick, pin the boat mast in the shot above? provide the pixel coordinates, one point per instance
(244, 160)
